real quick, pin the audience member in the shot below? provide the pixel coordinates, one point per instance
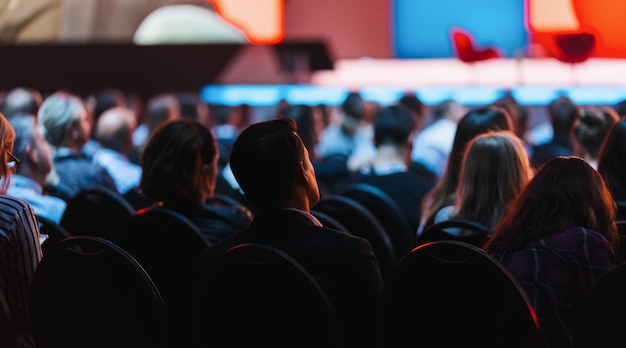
(494, 170)
(114, 133)
(432, 145)
(592, 129)
(63, 118)
(19, 244)
(563, 114)
(557, 239)
(620, 108)
(477, 121)
(30, 178)
(273, 168)
(192, 107)
(394, 127)
(21, 100)
(180, 171)
(161, 108)
(97, 104)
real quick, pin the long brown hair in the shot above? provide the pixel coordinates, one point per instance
(565, 192)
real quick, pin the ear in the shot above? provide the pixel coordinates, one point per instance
(301, 174)
(31, 154)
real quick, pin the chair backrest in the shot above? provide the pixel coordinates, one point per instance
(620, 256)
(257, 295)
(8, 332)
(454, 294)
(437, 231)
(386, 210)
(362, 223)
(575, 47)
(89, 292)
(168, 246)
(96, 212)
(53, 231)
(467, 50)
(602, 317)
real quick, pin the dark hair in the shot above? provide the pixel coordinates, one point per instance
(354, 105)
(565, 192)
(475, 122)
(412, 103)
(264, 158)
(393, 125)
(611, 163)
(172, 159)
(593, 127)
(563, 114)
(305, 122)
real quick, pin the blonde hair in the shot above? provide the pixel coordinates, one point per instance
(495, 168)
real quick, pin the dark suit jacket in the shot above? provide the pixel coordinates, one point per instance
(344, 265)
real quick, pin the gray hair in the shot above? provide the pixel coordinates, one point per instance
(22, 124)
(57, 113)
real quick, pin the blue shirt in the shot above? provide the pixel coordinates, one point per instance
(126, 175)
(27, 189)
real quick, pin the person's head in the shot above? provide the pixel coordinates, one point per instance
(393, 125)
(8, 161)
(415, 106)
(64, 120)
(272, 166)
(179, 162)
(193, 108)
(352, 112)
(611, 163)
(620, 108)
(592, 129)
(474, 122)
(563, 114)
(494, 170)
(518, 113)
(161, 108)
(115, 129)
(565, 192)
(22, 100)
(448, 109)
(31, 148)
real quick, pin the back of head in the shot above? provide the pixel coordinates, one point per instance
(57, 112)
(611, 163)
(161, 108)
(563, 114)
(565, 192)
(173, 158)
(412, 103)
(393, 125)
(353, 110)
(495, 169)
(115, 129)
(620, 108)
(22, 100)
(592, 129)
(263, 160)
(475, 122)
(24, 133)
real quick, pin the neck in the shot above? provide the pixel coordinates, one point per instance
(390, 154)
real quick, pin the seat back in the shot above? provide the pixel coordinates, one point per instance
(8, 332)
(386, 210)
(574, 47)
(359, 221)
(454, 294)
(257, 295)
(602, 317)
(96, 212)
(168, 246)
(466, 50)
(437, 231)
(620, 256)
(53, 231)
(89, 292)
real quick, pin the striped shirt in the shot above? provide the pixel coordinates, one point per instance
(20, 253)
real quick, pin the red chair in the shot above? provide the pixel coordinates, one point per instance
(574, 47)
(466, 49)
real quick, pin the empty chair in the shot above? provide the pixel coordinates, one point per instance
(53, 232)
(469, 51)
(96, 212)
(168, 246)
(257, 295)
(386, 210)
(475, 233)
(359, 221)
(88, 292)
(453, 294)
(602, 317)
